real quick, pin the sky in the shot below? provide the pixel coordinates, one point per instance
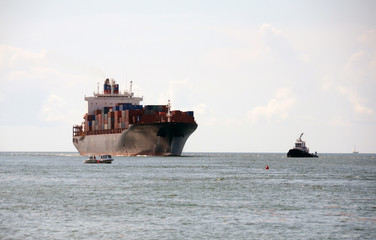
(257, 74)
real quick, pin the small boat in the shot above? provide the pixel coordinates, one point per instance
(101, 159)
(355, 152)
(300, 149)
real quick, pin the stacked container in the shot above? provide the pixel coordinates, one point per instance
(120, 116)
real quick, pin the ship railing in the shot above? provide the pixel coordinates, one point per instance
(77, 131)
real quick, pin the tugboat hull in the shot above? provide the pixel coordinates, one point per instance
(300, 154)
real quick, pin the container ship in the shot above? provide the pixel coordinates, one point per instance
(117, 124)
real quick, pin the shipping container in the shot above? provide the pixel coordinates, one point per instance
(158, 108)
(109, 126)
(107, 109)
(190, 113)
(107, 88)
(176, 113)
(116, 88)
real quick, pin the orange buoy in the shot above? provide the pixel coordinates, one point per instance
(267, 167)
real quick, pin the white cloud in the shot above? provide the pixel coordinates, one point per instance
(277, 107)
(368, 39)
(48, 87)
(354, 83)
(17, 57)
(54, 109)
(355, 101)
(266, 27)
(278, 44)
(360, 67)
(179, 93)
(327, 83)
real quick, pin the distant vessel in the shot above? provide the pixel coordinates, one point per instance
(300, 149)
(116, 124)
(101, 159)
(354, 151)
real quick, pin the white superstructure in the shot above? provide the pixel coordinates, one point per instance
(111, 97)
(300, 144)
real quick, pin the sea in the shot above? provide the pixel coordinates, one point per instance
(54, 195)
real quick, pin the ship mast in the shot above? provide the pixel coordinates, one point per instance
(168, 111)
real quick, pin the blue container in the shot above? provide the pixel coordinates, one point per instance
(190, 113)
(107, 87)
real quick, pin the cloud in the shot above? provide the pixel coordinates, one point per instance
(47, 86)
(355, 82)
(327, 83)
(278, 44)
(277, 107)
(368, 39)
(361, 67)
(355, 101)
(266, 27)
(17, 57)
(178, 92)
(54, 109)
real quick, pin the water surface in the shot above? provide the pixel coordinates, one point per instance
(196, 196)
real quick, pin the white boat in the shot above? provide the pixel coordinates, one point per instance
(101, 159)
(355, 152)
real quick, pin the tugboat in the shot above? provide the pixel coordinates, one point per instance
(300, 150)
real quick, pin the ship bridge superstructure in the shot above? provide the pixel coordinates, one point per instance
(111, 96)
(300, 144)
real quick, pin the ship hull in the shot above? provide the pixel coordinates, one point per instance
(297, 153)
(166, 138)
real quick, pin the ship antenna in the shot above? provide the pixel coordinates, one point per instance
(130, 88)
(126, 82)
(98, 88)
